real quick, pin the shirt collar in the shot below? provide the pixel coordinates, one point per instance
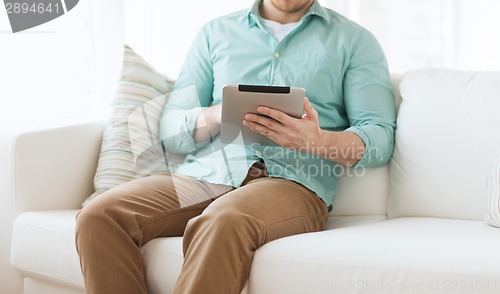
(315, 9)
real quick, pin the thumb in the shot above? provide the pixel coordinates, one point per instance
(309, 110)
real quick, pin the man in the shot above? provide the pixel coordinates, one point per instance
(227, 201)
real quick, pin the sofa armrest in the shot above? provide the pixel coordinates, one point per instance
(52, 168)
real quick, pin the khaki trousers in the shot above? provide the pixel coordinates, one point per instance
(222, 228)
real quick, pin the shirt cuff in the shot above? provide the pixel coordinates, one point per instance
(370, 154)
(179, 139)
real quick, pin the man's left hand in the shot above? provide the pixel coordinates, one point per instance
(300, 134)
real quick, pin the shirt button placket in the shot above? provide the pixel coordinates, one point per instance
(275, 62)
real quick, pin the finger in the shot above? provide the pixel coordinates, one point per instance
(265, 121)
(275, 114)
(272, 135)
(309, 109)
(258, 128)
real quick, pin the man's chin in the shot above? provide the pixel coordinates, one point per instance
(290, 6)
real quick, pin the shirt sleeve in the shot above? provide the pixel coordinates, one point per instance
(192, 93)
(369, 100)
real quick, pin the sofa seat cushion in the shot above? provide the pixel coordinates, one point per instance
(43, 246)
(362, 254)
(404, 255)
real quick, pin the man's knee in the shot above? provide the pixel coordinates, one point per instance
(96, 218)
(228, 222)
(88, 221)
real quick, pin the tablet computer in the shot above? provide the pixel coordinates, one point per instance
(238, 100)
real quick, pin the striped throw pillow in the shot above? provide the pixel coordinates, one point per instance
(130, 147)
(493, 188)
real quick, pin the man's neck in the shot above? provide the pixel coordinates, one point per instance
(268, 11)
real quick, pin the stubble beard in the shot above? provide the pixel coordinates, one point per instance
(293, 9)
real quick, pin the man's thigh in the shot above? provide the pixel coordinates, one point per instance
(154, 206)
(281, 207)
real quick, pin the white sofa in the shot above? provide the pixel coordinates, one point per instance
(414, 226)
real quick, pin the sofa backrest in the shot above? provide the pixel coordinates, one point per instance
(365, 192)
(447, 137)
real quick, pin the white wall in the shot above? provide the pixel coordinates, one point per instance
(162, 31)
(44, 71)
(67, 68)
(106, 48)
(57, 71)
(63, 69)
(477, 34)
(459, 34)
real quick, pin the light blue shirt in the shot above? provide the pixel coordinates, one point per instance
(339, 63)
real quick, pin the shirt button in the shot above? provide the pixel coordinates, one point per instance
(258, 153)
(276, 54)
